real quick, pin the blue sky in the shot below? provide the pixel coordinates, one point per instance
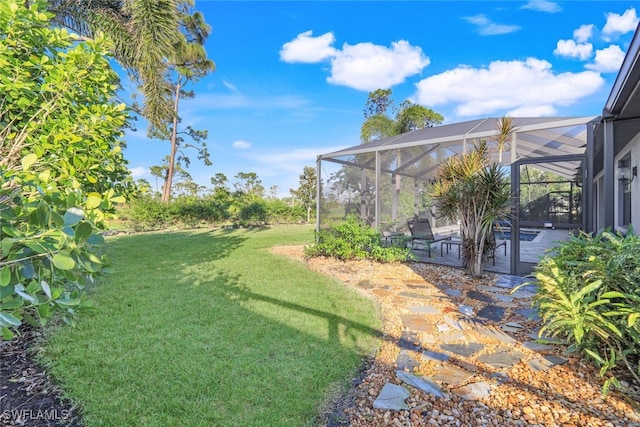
(292, 77)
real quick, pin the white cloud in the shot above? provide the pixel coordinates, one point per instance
(139, 172)
(607, 60)
(308, 49)
(620, 24)
(543, 6)
(571, 49)
(507, 86)
(533, 111)
(367, 67)
(488, 28)
(583, 33)
(241, 145)
(230, 86)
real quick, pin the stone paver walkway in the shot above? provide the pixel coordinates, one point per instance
(455, 330)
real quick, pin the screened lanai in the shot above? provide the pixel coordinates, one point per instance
(386, 182)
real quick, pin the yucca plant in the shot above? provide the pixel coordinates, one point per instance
(472, 190)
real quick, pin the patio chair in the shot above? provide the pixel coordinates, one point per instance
(421, 232)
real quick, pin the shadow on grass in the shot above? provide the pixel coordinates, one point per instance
(221, 243)
(186, 337)
(239, 293)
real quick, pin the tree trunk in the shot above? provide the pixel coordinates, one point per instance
(166, 191)
(308, 214)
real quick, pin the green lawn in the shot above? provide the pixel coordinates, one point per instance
(209, 328)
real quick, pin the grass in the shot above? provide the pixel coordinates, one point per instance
(209, 328)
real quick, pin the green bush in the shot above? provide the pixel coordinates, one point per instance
(61, 165)
(589, 294)
(149, 213)
(354, 239)
(255, 213)
(281, 213)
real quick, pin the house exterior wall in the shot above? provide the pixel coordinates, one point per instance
(633, 150)
(635, 185)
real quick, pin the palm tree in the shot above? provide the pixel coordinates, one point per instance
(472, 190)
(408, 116)
(144, 32)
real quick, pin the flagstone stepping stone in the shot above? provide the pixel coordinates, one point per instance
(502, 359)
(492, 312)
(464, 350)
(452, 337)
(500, 377)
(408, 341)
(534, 346)
(453, 323)
(507, 281)
(492, 289)
(479, 296)
(467, 310)
(543, 363)
(545, 339)
(416, 323)
(467, 366)
(506, 305)
(392, 397)
(366, 284)
(442, 286)
(512, 327)
(537, 365)
(413, 295)
(424, 309)
(474, 391)
(428, 339)
(453, 375)
(555, 360)
(529, 313)
(453, 292)
(503, 298)
(416, 283)
(522, 294)
(421, 383)
(405, 361)
(491, 332)
(443, 327)
(434, 356)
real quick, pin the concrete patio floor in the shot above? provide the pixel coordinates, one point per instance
(530, 252)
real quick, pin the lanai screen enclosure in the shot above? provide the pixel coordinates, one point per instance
(386, 182)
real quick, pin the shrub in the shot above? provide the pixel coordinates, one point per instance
(255, 213)
(354, 239)
(281, 213)
(589, 293)
(149, 213)
(61, 165)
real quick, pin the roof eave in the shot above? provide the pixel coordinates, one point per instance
(627, 78)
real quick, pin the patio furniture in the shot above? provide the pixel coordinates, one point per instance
(393, 238)
(421, 232)
(448, 244)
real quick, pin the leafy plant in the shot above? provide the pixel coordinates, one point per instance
(588, 293)
(354, 239)
(61, 165)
